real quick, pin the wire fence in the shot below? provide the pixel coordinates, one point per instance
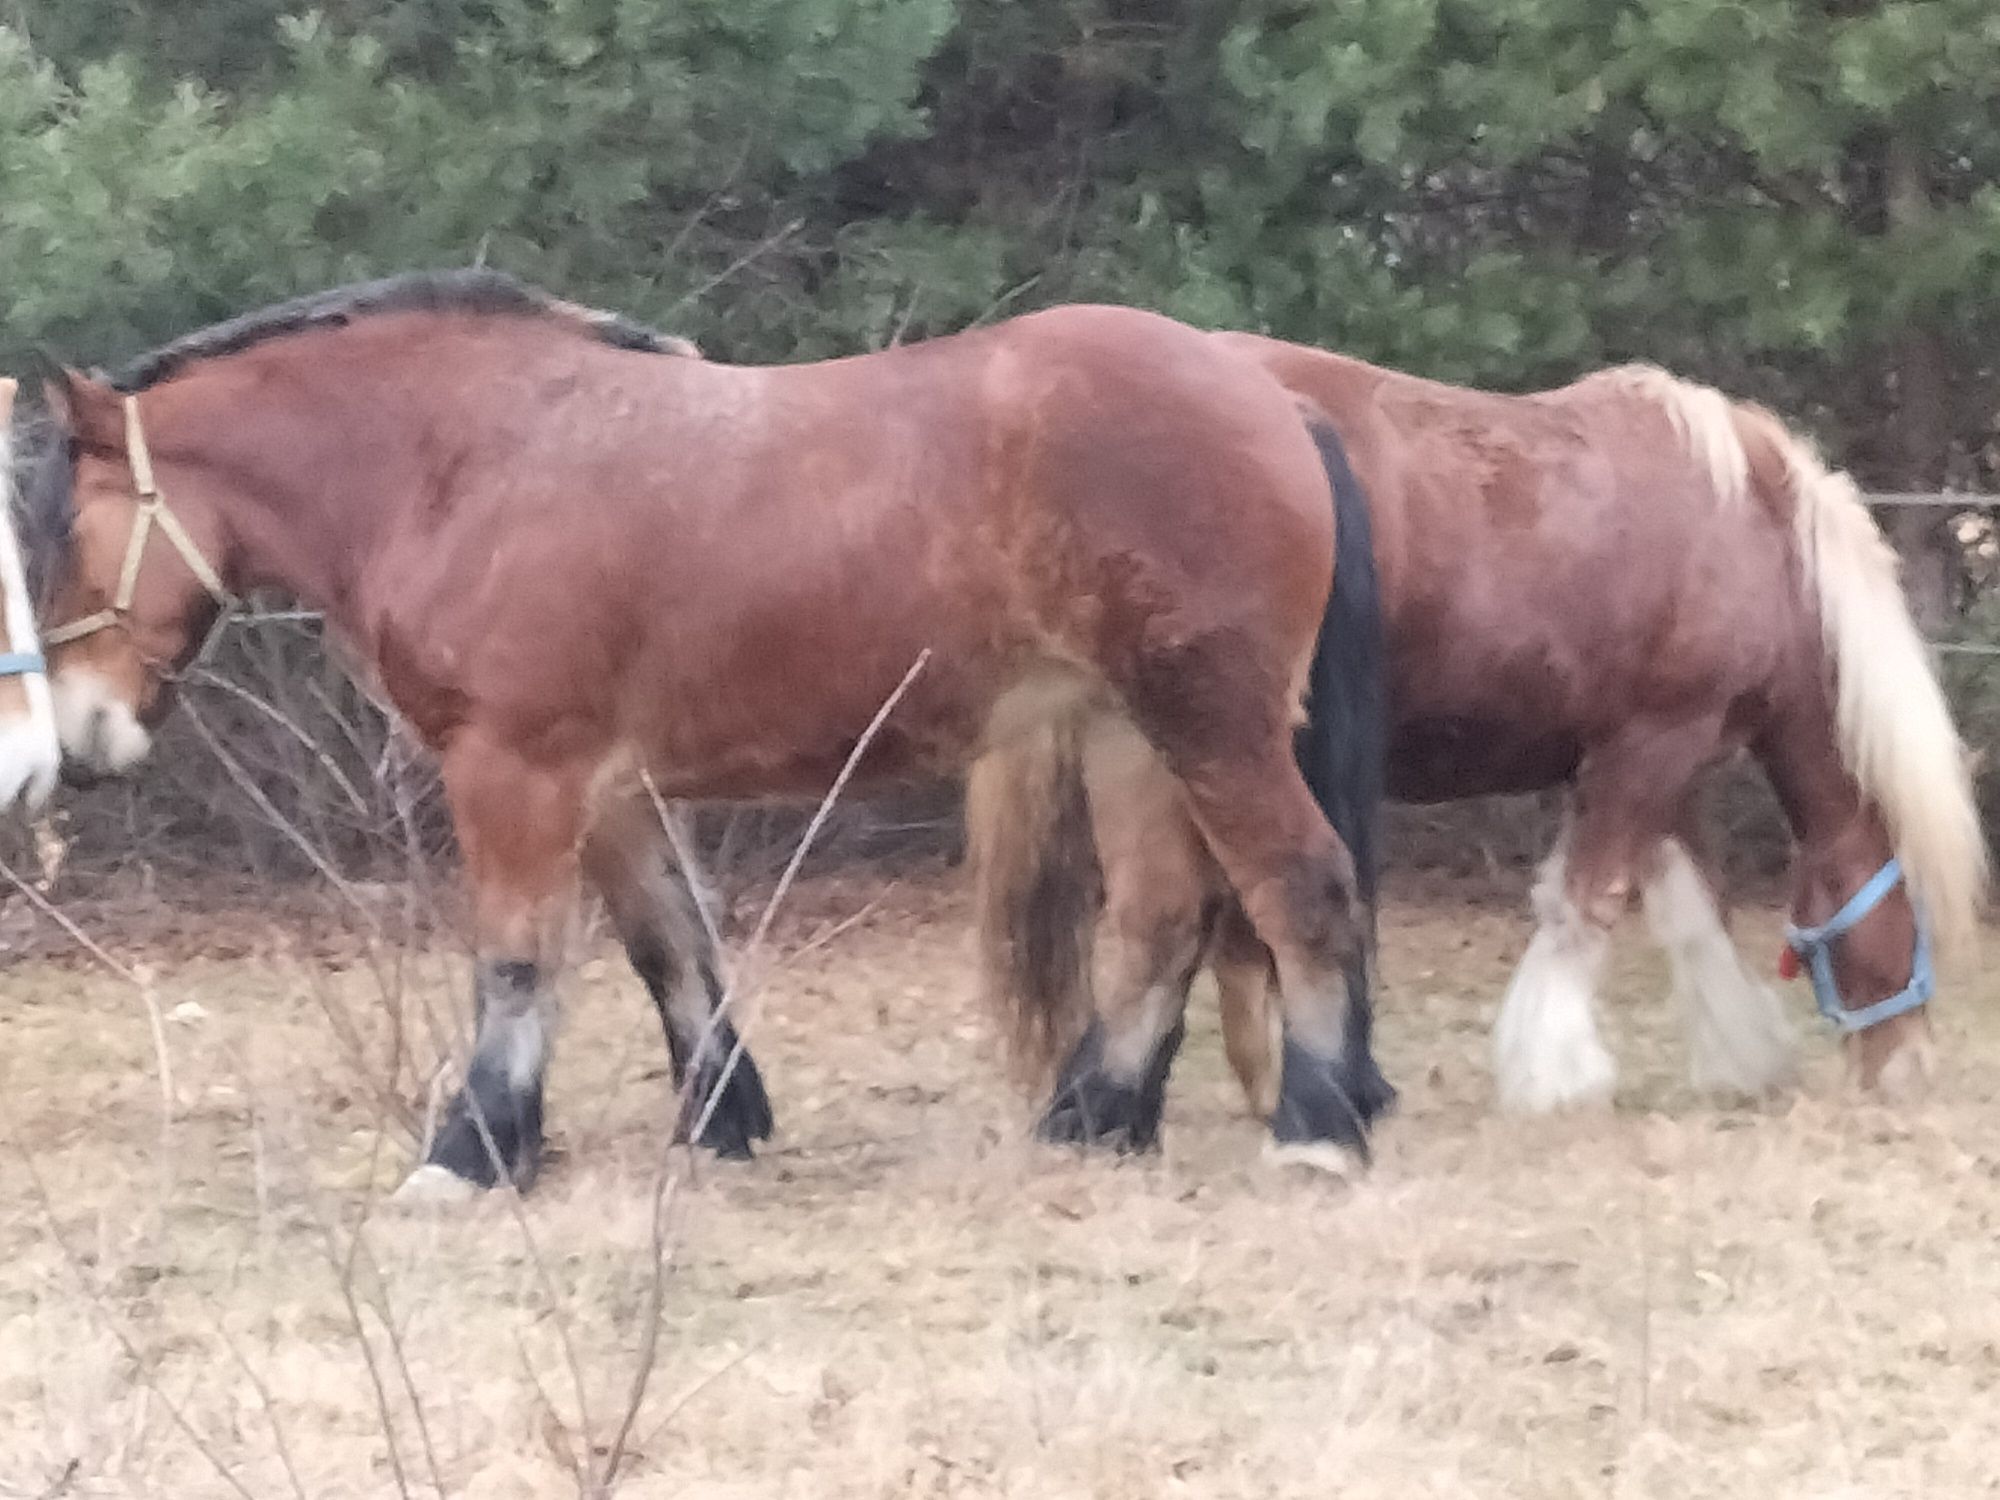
(1953, 502)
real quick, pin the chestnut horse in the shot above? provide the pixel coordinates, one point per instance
(1609, 587)
(573, 554)
(29, 756)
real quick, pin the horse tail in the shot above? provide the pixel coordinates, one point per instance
(1895, 731)
(1341, 751)
(1037, 888)
(1344, 745)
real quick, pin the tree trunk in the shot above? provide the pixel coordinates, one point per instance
(1922, 430)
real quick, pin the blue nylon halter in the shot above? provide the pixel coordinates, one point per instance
(21, 663)
(1815, 946)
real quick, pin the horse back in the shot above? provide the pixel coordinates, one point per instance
(1554, 565)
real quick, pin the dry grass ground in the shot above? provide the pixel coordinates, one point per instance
(906, 1298)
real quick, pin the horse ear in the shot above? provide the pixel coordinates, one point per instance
(86, 409)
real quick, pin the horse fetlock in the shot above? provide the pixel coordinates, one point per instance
(1093, 1106)
(1374, 1095)
(727, 1109)
(1320, 1102)
(492, 1131)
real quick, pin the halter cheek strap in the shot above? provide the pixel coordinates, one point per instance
(1815, 946)
(152, 512)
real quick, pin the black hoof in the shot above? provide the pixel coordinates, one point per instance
(1374, 1095)
(1323, 1099)
(509, 1148)
(741, 1113)
(1092, 1108)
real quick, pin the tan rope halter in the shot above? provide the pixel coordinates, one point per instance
(152, 512)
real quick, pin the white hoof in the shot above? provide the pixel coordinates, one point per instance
(1744, 1064)
(1546, 1051)
(431, 1185)
(1329, 1158)
(1740, 1043)
(1574, 1072)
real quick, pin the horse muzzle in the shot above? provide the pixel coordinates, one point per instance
(101, 735)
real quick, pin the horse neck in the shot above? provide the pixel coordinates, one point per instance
(294, 513)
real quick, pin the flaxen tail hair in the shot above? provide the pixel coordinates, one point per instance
(1896, 734)
(1037, 891)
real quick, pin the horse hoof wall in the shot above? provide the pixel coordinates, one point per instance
(1327, 1158)
(434, 1186)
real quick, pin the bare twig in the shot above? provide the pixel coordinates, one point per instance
(141, 981)
(279, 821)
(116, 1326)
(264, 1402)
(62, 919)
(667, 1182)
(666, 1186)
(756, 252)
(731, 996)
(826, 804)
(291, 727)
(164, 1065)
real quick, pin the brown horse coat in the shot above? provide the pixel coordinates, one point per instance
(1613, 585)
(569, 559)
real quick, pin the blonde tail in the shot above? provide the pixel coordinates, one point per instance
(1037, 889)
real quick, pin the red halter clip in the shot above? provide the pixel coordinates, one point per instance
(1788, 962)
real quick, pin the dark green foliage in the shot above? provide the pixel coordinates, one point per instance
(1799, 201)
(1490, 190)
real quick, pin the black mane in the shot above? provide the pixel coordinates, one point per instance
(43, 471)
(43, 457)
(482, 292)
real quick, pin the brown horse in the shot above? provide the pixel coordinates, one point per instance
(572, 554)
(28, 752)
(1610, 587)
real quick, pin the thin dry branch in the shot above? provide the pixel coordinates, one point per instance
(667, 1182)
(115, 1325)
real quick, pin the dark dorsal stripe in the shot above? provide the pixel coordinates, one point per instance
(478, 292)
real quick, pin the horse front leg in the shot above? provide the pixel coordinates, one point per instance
(630, 857)
(519, 826)
(1546, 1048)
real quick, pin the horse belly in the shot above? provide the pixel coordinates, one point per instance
(1441, 759)
(783, 718)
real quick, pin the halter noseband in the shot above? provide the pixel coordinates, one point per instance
(152, 512)
(22, 664)
(1815, 946)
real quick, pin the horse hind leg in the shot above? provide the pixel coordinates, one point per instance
(1738, 1038)
(1252, 1023)
(1111, 1088)
(1252, 1029)
(1296, 882)
(634, 862)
